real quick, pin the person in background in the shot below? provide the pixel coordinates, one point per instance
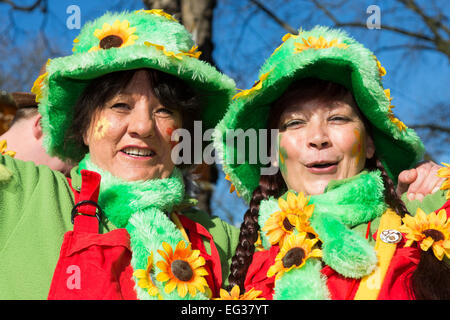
(24, 136)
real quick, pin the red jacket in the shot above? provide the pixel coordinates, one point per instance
(102, 261)
(396, 284)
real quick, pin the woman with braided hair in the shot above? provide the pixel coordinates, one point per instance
(330, 224)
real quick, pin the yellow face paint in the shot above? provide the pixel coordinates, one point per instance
(101, 127)
(358, 147)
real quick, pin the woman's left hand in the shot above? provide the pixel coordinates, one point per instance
(419, 181)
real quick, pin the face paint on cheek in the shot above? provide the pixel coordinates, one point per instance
(175, 140)
(282, 154)
(101, 127)
(358, 147)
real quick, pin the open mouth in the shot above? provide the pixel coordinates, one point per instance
(321, 164)
(322, 167)
(138, 152)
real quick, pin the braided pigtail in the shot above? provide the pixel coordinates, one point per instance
(390, 195)
(269, 186)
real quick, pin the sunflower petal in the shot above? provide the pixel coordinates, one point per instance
(182, 289)
(426, 243)
(170, 286)
(162, 276)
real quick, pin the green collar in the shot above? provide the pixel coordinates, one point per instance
(345, 204)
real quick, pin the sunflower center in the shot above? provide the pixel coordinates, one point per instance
(294, 256)
(182, 270)
(111, 41)
(287, 224)
(436, 235)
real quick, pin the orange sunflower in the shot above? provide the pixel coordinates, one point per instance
(232, 187)
(432, 230)
(317, 43)
(145, 280)
(234, 294)
(119, 34)
(38, 85)
(3, 152)
(182, 269)
(178, 56)
(444, 172)
(295, 213)
(293, 254)
(400, 125)
(284, 39)
(256, 86)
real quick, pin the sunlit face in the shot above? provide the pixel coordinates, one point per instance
(321, 141)
(131, 135)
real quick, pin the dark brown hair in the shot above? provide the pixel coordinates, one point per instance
(171, 91)
(431, 278)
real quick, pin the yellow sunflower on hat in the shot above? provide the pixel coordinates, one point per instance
(182, 269)
(317, 43)
(432, 230)
(119, 34)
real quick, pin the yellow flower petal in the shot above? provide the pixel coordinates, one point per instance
(170, 286)
(162, 277)
(426, 243)
(182, 289)
(438, 252)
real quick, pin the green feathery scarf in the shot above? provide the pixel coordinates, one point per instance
(142, 208)
(344, 204)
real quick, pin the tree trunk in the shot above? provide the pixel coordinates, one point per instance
(197, 17)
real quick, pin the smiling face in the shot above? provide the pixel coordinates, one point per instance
(321, 141)
(130, 136)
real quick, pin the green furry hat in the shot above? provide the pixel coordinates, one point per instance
(330, 55)
(123, 41)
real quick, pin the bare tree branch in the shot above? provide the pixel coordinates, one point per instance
(432, 23)
(274, 17)
(441, 45)
(22, 8)
(432, 127)
(404, 46)
(363, 25)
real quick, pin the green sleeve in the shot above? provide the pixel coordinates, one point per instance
(233, 238)
(430, 202)
(35, 206)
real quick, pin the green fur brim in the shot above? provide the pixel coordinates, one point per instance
(69, 76)
(354, 67)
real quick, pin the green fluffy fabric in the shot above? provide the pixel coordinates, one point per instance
(354, 67)
(310, 284)
(69, 76)
(344, 204)
(142, 208)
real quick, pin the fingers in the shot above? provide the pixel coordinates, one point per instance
(405, 178)
(427, 181)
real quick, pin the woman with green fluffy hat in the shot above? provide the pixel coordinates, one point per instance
(329, 224)
(122, 227)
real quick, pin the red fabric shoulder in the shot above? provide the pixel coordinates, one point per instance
(213, 265)
(257, 272)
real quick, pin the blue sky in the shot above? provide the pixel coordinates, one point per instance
(244, 37)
